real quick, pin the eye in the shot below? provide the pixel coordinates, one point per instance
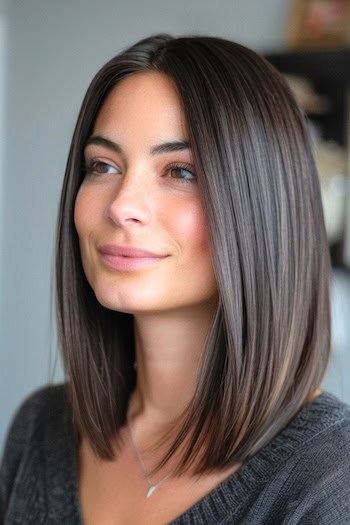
(182, 173)
(99, 167)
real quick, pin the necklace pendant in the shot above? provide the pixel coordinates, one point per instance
(151, 490)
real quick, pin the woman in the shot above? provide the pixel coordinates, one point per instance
(193, 308)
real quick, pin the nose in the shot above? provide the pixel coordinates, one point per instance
(129, 203)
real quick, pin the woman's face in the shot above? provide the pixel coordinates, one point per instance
(138, 214)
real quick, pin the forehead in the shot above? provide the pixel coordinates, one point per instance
(143, 105)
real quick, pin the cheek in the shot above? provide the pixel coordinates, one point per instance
(197, 269)
(190, 229)
(83, 221)
(78, 213)
(84, 212)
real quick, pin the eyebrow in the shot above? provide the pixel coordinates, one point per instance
(163, 147)
(168, 147)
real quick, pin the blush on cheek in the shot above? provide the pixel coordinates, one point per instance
(191, 224)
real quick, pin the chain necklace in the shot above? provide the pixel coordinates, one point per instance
(152, 487)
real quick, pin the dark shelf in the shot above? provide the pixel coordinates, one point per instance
(329, 71)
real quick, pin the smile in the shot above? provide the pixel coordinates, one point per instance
(127, 258)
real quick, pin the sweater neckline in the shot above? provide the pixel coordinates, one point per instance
(231, 493)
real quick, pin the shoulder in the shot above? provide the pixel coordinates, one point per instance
(39, 414)
(314, 482)
(303, 475)
(47, 403)
(42, 421)
(322, 426)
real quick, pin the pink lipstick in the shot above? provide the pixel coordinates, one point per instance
(127, 258)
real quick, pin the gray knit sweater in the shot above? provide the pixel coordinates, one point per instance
(302, 477)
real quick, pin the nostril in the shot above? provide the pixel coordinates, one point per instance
(128, 208)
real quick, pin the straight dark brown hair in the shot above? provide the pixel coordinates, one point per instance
(270, 341)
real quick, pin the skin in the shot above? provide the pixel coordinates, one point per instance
(139, 197)
(134, 194)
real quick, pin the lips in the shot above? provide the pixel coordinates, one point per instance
(126, 251)
(127, 258)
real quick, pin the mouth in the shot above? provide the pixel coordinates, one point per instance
(128, 258)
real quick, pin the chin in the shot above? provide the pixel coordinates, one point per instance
(151, 297)
(111, 304)
(125, 303)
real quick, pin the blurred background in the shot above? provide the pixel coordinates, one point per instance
(49, 52)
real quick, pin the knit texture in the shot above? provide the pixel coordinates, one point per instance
(302, 477)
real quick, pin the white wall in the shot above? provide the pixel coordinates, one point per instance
(53, 49)
(3, 29)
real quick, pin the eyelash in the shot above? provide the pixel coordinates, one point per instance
(90, 170)
(184, 167)
(90, 167)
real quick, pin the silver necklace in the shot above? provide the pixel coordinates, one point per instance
(152, 487)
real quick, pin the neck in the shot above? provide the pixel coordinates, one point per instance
(168, 353)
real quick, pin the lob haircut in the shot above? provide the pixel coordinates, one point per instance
(269, 344)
